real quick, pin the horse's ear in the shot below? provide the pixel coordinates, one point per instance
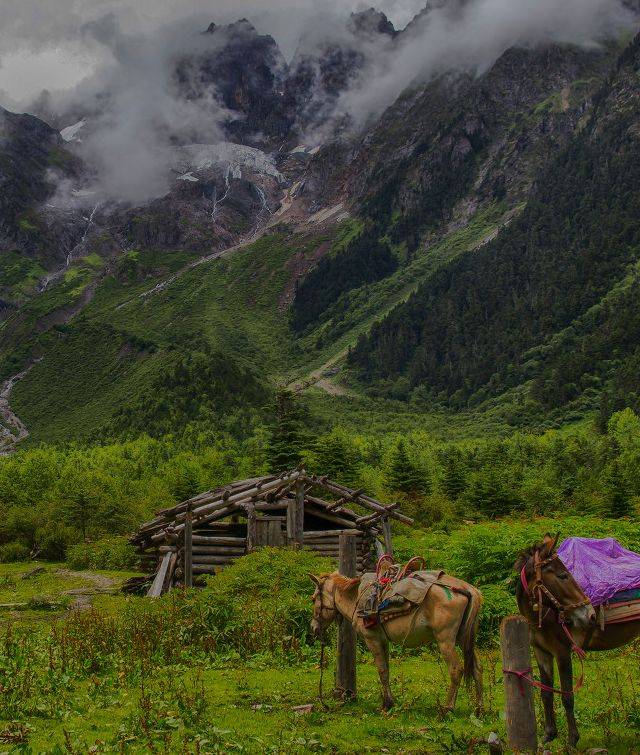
(549, 543)
(314, 579)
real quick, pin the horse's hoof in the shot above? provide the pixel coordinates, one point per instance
(549, 735)
(387, 705)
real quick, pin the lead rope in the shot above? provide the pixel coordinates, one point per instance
(323, 645)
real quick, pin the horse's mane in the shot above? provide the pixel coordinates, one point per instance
(342, 582)
(528, 553)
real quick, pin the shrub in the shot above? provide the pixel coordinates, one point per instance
(486, 553)
(11, 552)
(498, 602)
(52, 544)
(261, 602)
(108, 553)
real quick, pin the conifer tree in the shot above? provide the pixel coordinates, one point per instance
(287, 434)
(453, 473)
(336, 457)
(404, 476)
(617, 502)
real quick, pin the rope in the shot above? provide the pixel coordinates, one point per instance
(525, 676)
(323, 645)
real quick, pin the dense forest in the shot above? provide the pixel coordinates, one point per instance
(95, 492)
(471, 327)
(365, 259)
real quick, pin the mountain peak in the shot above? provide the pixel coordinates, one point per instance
(371, 21)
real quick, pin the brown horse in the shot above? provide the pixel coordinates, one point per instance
(562, 619)
(449, 617)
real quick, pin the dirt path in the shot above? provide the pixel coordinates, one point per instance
(322, 378)
(83, 596)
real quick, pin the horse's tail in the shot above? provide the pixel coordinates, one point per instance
(467, 631)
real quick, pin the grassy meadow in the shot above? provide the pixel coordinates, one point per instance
(223, 669)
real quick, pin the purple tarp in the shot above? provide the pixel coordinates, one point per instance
(601, 567)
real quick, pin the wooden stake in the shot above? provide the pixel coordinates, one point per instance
(295, 516)
(515, 638)
(188, 549)
(388, 542)
(252, 527)
(346, 660)
(299, 533)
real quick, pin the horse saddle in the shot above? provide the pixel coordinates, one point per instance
(381, 599)
(623, 606)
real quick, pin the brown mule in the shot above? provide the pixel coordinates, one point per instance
(561, 616)
(449, 619)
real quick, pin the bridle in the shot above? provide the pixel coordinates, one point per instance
(323, 606)
(537, 589)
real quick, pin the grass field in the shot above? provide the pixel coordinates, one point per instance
(218, 702)
(223, 705)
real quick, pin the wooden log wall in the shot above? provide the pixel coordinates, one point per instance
(210, 551)
(327, 543)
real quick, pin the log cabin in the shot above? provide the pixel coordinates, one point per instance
(294, 509)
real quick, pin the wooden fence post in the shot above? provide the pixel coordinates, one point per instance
(188, 549)
(346, 659)
(252, 527)
(295, 516)
(386, 531)
(515, 639)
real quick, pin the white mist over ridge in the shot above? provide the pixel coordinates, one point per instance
(137, 113)
(470, 35)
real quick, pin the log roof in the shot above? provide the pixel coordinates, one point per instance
(267, 494)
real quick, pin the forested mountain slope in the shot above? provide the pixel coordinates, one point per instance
(567, 262)
(455, 248)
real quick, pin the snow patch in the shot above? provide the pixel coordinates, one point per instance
(192, 158)
(304, 149)
(80, 193)
(70, 133)
(188, 177)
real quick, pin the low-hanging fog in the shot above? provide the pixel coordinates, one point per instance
(117, 58)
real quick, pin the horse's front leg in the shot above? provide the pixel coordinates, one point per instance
(545, 664)
(566, 685)
(380, 650)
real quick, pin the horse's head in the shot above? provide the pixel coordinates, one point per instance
(550, 587)
(324, 604)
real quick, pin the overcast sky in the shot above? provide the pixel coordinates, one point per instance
(45, 44)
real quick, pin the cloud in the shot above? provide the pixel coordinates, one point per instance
(472, 34)
(125, 56)
(117, 58)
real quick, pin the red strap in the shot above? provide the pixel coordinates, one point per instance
(524, 676)
(523, 578)
(574, 645)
